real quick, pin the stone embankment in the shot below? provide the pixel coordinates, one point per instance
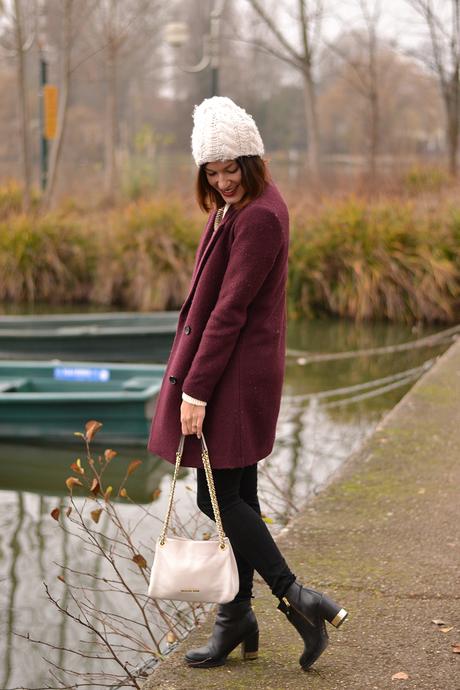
(384, 540)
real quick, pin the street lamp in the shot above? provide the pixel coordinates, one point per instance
(177, 34)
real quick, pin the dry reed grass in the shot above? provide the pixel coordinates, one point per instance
(392, 257)
(146, 255)
(384, 260)
(43, 259)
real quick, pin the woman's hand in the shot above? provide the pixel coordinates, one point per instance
(191, 417)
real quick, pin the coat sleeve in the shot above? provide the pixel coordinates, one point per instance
(257, 241)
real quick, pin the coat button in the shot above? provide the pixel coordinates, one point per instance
(172, 379)
(187, 330)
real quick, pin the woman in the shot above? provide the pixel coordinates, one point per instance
(225, 373)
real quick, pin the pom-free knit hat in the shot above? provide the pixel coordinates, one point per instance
(223, 131)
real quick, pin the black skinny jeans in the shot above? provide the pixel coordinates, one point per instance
(252, 543)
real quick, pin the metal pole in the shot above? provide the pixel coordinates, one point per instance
(214, 81)
(214, 35)
(214, 53)
(43, 140)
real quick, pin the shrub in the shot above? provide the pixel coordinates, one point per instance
(391, 259)
(44, 259)
(384, 261)
(10, 199)
(422, 179)
(146, 257)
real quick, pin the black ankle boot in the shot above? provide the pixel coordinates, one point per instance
(307, 610)
(235, 624)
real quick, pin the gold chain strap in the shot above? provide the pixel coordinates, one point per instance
(211, 488)
(212, 491)
(171, 493)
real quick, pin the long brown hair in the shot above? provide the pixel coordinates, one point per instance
(254, 179)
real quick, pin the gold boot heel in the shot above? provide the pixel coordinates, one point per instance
(250, 647)
(339, 618)
(332, 612)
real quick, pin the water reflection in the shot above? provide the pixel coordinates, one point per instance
(312, 443)
(44, 469)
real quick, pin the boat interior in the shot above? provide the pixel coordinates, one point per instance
(49, 385)
(14, 385)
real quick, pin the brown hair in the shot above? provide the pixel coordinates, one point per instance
(254, 178)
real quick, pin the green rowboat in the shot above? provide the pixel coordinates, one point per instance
(118, 336)
(50, 401)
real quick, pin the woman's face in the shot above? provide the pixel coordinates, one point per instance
(225, 177)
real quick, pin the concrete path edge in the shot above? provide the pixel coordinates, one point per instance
(383, 539)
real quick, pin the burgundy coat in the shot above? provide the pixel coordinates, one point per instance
(229, 347)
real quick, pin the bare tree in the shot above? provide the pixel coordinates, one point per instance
(443, 23)
(17, 41)
(308, 19)
(71, 18)
(410, 109)
(122, 28)
(363, 59)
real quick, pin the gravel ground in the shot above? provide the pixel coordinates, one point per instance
(382, 539)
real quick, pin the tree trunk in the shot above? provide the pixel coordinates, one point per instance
(372, 22)
(23, 107)
(111, 125)
(313, 156)
(452, 135)
(374, 144)
(454, 113)
(56, 149)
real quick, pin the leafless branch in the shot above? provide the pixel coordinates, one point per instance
(256, 5)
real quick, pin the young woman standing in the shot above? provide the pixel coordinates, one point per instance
(225, 373)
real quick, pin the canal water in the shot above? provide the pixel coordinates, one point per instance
(316, 433)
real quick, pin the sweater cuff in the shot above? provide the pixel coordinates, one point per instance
(193, 401)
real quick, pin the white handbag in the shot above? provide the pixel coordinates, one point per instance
(192, 570)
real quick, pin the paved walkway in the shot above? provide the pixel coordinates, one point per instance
(383, 539)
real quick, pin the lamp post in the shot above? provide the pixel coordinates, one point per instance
(177, 34)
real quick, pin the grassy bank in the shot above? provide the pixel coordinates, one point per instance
(392, 259)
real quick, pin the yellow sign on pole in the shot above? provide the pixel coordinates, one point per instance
(50, 110)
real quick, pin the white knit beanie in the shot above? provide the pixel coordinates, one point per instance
(223, 131)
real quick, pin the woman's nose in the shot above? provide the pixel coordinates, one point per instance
(222, 181)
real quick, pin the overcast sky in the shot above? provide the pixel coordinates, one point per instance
(398, 21)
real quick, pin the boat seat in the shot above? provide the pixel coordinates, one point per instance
(137, 383)
(78, 330)
(13, 385)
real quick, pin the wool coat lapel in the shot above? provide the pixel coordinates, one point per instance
(209, 240)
